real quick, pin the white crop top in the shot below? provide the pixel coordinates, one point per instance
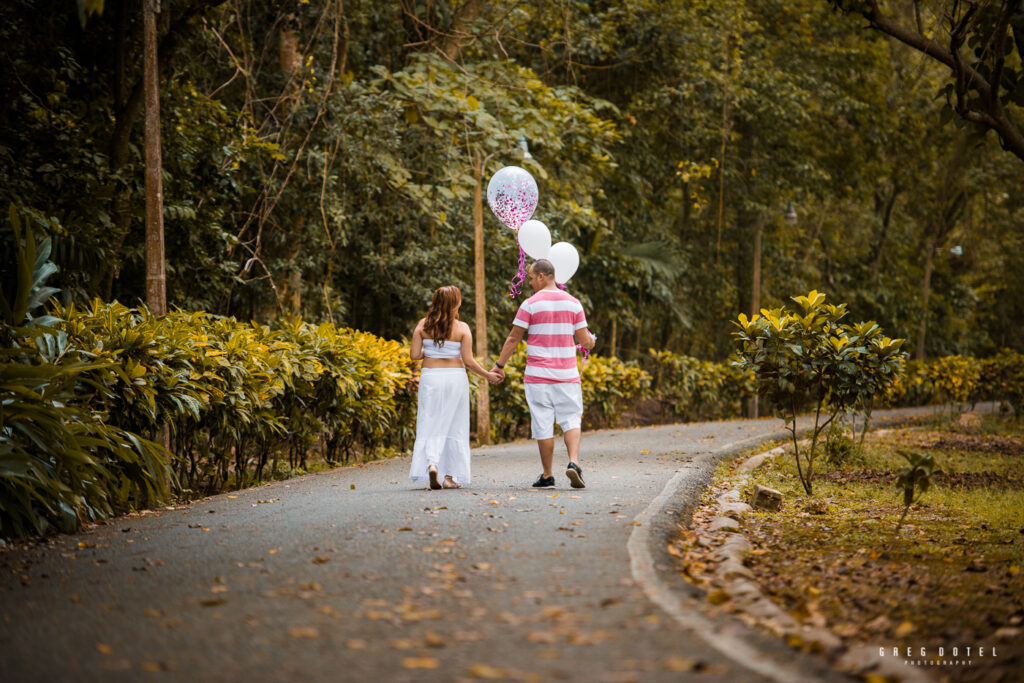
(448, 349)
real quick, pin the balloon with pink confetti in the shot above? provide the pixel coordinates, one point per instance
(512, 196)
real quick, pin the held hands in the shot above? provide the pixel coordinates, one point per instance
(494, 378)
(499, 373)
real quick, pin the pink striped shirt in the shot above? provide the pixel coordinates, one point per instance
(551, 319)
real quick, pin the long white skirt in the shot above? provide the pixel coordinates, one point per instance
(442, 425)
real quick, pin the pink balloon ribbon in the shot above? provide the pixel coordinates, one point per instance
(586, 354)
(520, 277)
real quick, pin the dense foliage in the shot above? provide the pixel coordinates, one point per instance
(320, 158)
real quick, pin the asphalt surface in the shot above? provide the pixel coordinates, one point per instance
(358, 574)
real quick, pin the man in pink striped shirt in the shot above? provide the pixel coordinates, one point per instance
(554, 322)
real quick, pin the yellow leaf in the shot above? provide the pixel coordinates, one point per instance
(303, 632)
(718, 597)
(473, 103)
(905, 629)
(104, 648)
(679, 664)
(420, 663)
(485, 671)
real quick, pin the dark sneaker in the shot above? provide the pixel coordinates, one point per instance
(544, 482)
(575, 474)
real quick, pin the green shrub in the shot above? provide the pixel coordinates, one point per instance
(697, 389)
(807, 359)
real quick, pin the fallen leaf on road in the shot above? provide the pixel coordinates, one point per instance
(218, 589)
(420, 663)
(469, 636)
(329, 611)
(104, 648)
(355, 644)
(303, 632)
(482, 566)
(403, 643)
(679, 664)
(485, 671)
(212, 602)
(320, 559)
(434, 640)
(151, 612)
(548, 637)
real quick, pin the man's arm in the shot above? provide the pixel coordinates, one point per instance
(585, 339)
(515, 336)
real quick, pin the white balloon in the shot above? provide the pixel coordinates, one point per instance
(535, 239)
(565, 259)
(512, 195)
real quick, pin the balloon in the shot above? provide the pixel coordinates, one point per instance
(565, 259)
(512, 196)
(535, 239)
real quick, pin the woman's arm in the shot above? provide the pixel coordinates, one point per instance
(416, 349)
(467, 356)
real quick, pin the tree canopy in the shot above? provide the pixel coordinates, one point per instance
(318, 157)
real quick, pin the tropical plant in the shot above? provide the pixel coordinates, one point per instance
(914, 479)
(807, 358)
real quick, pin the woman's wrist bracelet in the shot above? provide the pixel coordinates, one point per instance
(499, 365)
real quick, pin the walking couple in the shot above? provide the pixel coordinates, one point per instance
(553, 322)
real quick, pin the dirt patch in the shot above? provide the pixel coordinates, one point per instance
(978, 443)
(952, 480)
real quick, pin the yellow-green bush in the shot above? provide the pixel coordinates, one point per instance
(954, 377)
(698, 389)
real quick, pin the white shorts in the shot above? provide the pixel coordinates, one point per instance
(561, 402)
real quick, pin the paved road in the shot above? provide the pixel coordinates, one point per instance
(357, 574)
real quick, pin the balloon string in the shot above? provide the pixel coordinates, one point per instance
(517, 282)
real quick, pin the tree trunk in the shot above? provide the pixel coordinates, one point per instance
(615, 329)
(458, 35)
(156, 278)
(926, 286)
(755, 290)
(755, 271)
(483, 406)
(883, 207)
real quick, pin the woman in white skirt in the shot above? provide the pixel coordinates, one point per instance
(445, 344)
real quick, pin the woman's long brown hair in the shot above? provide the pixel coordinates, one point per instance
(442, 314)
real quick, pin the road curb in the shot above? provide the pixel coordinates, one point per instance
(728, 639)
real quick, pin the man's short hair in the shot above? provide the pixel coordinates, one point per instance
(543, 267)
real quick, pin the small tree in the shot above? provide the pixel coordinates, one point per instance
(808, 359)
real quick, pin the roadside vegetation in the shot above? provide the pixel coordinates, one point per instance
(949, 575)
